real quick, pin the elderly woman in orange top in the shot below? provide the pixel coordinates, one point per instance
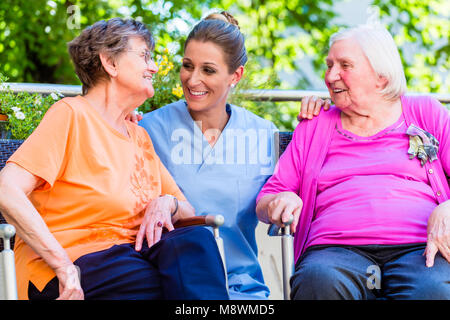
(89, 197)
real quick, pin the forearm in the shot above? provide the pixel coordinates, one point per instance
(30, 227)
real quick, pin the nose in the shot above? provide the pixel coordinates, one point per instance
(332, 74)
(194, 78)
(152, 67)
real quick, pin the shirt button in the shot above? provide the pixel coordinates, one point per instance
(438, 193)
(430, 171)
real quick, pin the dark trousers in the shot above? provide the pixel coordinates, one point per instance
(184, 265)
(369, 272)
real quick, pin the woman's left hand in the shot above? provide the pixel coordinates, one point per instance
(310, 107)
(438, 233)
(157, 216)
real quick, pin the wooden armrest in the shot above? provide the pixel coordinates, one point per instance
(208, 220)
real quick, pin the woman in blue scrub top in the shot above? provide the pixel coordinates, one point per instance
(219, 154)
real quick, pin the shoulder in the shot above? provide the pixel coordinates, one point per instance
(61, 111)
(75, 104)
(160, 114)
(425, 111)
(324, 118)
(421, 103)
(250, 119)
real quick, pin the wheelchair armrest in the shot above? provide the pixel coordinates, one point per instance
(214, 221)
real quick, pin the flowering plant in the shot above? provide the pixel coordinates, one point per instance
(166, 81)
(23, 110)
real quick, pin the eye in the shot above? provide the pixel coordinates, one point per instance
(186, 65)
(209, 70)
(147, 56)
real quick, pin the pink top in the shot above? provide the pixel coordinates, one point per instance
(366, 188)
(302, 167)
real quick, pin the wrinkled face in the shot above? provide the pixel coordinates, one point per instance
(136, 68)
(351, 81)
(204, 76)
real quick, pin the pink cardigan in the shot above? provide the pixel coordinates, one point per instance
(309, 146)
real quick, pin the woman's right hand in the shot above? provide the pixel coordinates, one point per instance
(69, 283)
(282, 206)
(134, 116)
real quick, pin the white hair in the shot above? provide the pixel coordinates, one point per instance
(380, 49)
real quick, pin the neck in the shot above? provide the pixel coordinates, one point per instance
(369, 120)
(211, 122)
(112, 104)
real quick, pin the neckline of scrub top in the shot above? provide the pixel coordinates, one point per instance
(209, 149)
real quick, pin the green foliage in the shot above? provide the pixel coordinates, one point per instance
(279, 33)
(166, 82)
(421, 30)
(24, 110)
(256, 79)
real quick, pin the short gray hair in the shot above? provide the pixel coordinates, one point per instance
(380, 49)
(110, 37)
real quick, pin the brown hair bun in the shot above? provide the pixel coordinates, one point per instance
(224, 16)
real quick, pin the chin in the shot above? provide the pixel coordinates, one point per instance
(196, 105)
(149, 92)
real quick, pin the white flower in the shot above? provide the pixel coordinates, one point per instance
(38, 101)
(15, 109)
(19, 115)
(54, 96)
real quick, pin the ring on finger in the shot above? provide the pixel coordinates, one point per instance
(159, 224)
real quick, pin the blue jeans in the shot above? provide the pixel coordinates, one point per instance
(184, 265)
(369, 272)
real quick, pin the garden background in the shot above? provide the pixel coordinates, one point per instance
(287, 41)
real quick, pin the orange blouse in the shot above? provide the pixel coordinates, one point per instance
(97, 184)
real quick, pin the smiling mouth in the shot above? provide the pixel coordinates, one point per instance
(197, 93)
(338, 90)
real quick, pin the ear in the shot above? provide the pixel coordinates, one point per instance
(108, 64)
(237, 75)
(382, 82)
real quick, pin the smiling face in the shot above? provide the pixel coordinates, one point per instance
(135, 69)
(351, 81)
(205, 77)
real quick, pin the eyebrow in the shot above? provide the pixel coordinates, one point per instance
(205, 63)
(347, 59)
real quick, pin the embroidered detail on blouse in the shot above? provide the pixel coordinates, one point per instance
(368, 138)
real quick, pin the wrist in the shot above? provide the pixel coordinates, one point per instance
(174, 206)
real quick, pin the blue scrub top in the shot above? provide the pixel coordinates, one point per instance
(222, 180)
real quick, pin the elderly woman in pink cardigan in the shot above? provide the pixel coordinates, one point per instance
(367, 182)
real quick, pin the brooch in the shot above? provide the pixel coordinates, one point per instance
(422, 145)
